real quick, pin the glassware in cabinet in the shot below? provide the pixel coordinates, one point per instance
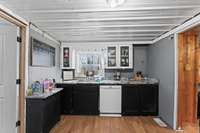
(66, 57)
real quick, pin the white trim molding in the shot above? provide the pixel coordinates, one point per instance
(176, 81)
(8, 11)
(183, 27)
(35, 28)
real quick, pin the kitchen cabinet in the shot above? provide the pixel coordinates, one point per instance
(67, 57)
(140, 99)
(148, 99)
(130, 100)
(112, 57)
(83, 99)
(66, 98)
(126, 56)
(119, 57)
(86, 100)
(42, 113)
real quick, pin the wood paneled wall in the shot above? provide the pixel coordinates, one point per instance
(198, 60)
(189, 62)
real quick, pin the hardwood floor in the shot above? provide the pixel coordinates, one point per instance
(95, 124)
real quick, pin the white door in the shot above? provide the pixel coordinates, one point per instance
(8, 63)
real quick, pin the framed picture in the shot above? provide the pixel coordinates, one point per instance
(41, 54)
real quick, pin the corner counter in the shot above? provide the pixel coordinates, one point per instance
(43, 111)
(45, 95)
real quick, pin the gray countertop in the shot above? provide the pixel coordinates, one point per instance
(45, 95)
(111, 82)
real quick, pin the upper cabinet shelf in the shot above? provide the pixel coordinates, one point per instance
(119, 57)
(67, 58)
(115, 57)
(112, 56)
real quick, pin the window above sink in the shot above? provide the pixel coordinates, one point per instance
(89, 63)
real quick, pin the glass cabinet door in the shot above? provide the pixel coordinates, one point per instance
(112, 57)
(66, 57)
(124, 56)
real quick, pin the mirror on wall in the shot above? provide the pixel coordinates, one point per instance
(42, 54)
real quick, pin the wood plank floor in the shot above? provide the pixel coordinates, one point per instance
(95, 124)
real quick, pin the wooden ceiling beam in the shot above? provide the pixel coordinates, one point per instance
(111, 19)
(112, 40)
(111, 34)
(127, 41)
(108, 31)
(118, 38)
(106, 26)
(112, 9)
(115, 35)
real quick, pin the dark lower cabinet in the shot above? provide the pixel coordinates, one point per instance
(86, 100)
(148, 99)
(130, 100)
(140, 99)
(83, 99)
(66, 98)
(42, 113)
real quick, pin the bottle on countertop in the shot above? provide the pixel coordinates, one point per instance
(36, 88)
(51, 85)
(46, 85)
(29, 91)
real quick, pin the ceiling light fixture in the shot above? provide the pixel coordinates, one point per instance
(115, 3)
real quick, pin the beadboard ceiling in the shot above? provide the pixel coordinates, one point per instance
(96, 21)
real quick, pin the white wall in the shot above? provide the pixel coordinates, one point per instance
(161, 65)
(40, 73)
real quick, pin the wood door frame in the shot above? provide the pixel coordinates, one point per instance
(24, 34)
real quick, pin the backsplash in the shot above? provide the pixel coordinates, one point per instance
(126, 73)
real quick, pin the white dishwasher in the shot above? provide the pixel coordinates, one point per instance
(110, 100)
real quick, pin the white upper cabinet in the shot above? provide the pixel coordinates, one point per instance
(119, 57)
(126, 56)
(67, 57)
(112, 57)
